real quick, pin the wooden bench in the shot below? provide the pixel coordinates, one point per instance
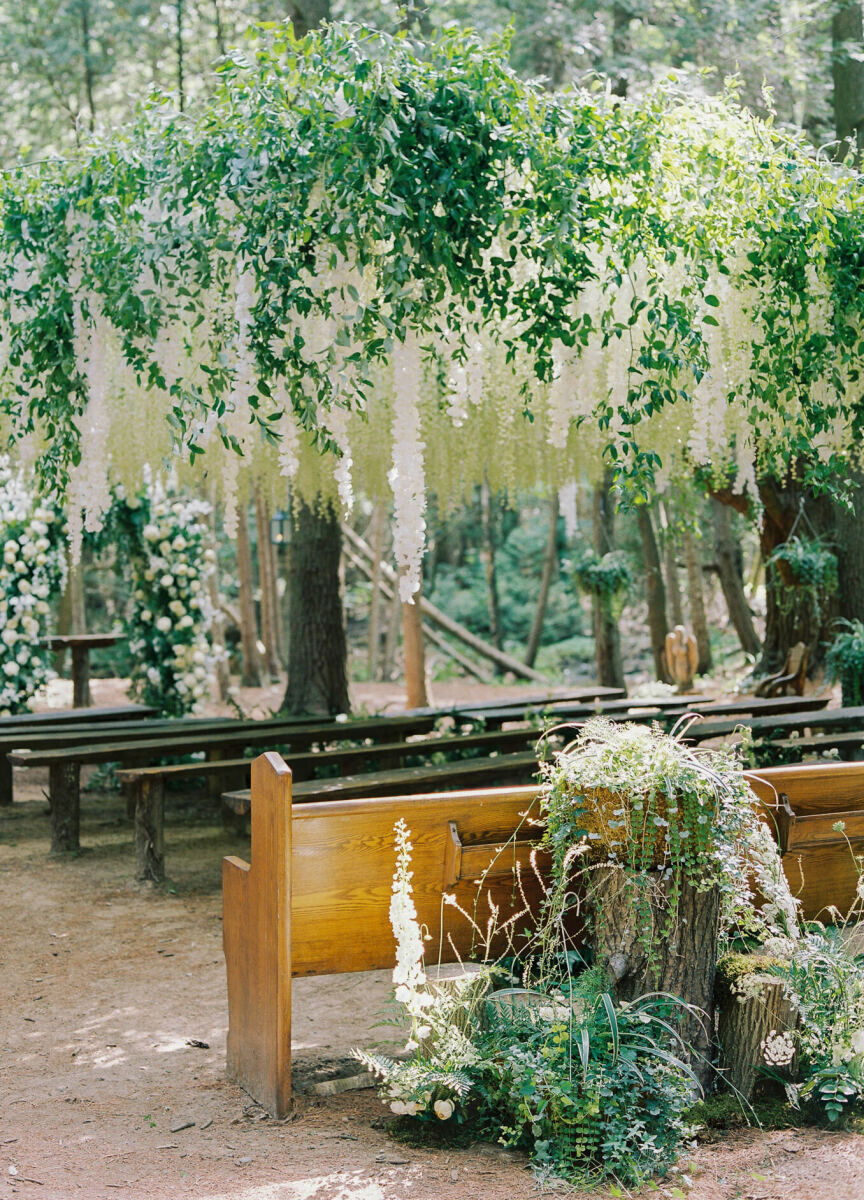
(19, 728)
(315, 898)
(64, 753)
(806, 801)
(833, 719)
(146, 785)
(847, 744)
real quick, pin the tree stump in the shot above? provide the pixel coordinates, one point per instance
(752, 1004)
(630, 911)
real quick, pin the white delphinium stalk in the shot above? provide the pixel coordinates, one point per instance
(409, 978)
(406, 477)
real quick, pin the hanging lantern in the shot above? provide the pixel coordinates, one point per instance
(279, 528)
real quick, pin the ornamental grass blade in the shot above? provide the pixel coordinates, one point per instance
(606, 1000)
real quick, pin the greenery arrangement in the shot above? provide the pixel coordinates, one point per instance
(803, 571)
(844, 660)
(32, 570)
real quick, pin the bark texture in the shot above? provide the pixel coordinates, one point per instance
(696, 596)
(250, 672)
(487, 554)
(727, 554)
(610, 669)
(684, 962)
(317, 648)
(655, 592)
(550, 567)
(416, 694)
(743, 1025)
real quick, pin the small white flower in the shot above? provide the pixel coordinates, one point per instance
(164, 624)
(443, 1109)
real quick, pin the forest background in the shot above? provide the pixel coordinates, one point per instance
(516, 570)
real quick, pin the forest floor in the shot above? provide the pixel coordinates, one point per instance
(112, 1048)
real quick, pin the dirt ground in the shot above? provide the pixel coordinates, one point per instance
(112, 1047)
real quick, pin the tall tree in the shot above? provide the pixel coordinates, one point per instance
(607, 640)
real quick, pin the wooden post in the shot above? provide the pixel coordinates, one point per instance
(81, 697)
(416, 693)
(150, 829)
(65, 797)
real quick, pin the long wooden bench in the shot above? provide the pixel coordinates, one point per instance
(159, 740)
(146, 785)
(772, 727)
(663, 709)
(315, 898)
(22, 726)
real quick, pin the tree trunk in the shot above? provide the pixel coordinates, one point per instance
(487, 554)
(217, 629)
(181, 57)
(416, 694)
(696, 596)
(317, 646)
(684, 959)
(655, 592)
(270, 620)
(374, 653)
(307, 14)
(610, 671)
(847, 69)
(550, 566)
(728, 556)
(250, 675)
(670, 560)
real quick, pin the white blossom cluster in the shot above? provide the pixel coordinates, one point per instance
(172, 613)
(32, 571)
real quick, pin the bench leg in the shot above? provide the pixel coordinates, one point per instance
(65, 793)
(5, 780)
(81, 677)
(150, 830)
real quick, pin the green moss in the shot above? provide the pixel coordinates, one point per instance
(732, 967)
(725, 1111)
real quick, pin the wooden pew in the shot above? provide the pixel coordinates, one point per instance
(146, 785)
(64, 752)
(315, 899)
(805, 802)
(19, 728)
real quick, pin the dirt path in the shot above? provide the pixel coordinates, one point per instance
(104, 986)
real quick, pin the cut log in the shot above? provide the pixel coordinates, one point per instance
(752, 1005)
(439, 618)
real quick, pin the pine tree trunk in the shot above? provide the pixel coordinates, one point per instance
(250, 675)
(670, 560)
(416, 694)
(610, 670)
(847, 69)
(217, 629)
(270, 631)
(487, 554)
(374, 651)
(317, 646)
(655, 592)
(728, 556)
(550, 567)
(684, 955)
(695, 594)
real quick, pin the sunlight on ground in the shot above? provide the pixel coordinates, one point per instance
(337, 1186)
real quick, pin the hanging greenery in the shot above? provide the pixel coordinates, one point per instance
(358, 239)
(803, 570)
(844, 660)
(607, 576)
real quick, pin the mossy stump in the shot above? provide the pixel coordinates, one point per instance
(751, 1004)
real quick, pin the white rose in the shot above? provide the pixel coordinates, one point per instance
(179, 542)
(167, 581)
(9, 636)
(153, 675)
(11, 668)
(151, 533)
(443, 1109)
(24, 587)
(146, 614)
(185, 622)
(177, 607)
(164, 624)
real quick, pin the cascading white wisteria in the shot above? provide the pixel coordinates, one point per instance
(406, 476)
(288, 453)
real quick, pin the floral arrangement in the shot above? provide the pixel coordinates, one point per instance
(585, 1086)
(167, 546)
(32, 571)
